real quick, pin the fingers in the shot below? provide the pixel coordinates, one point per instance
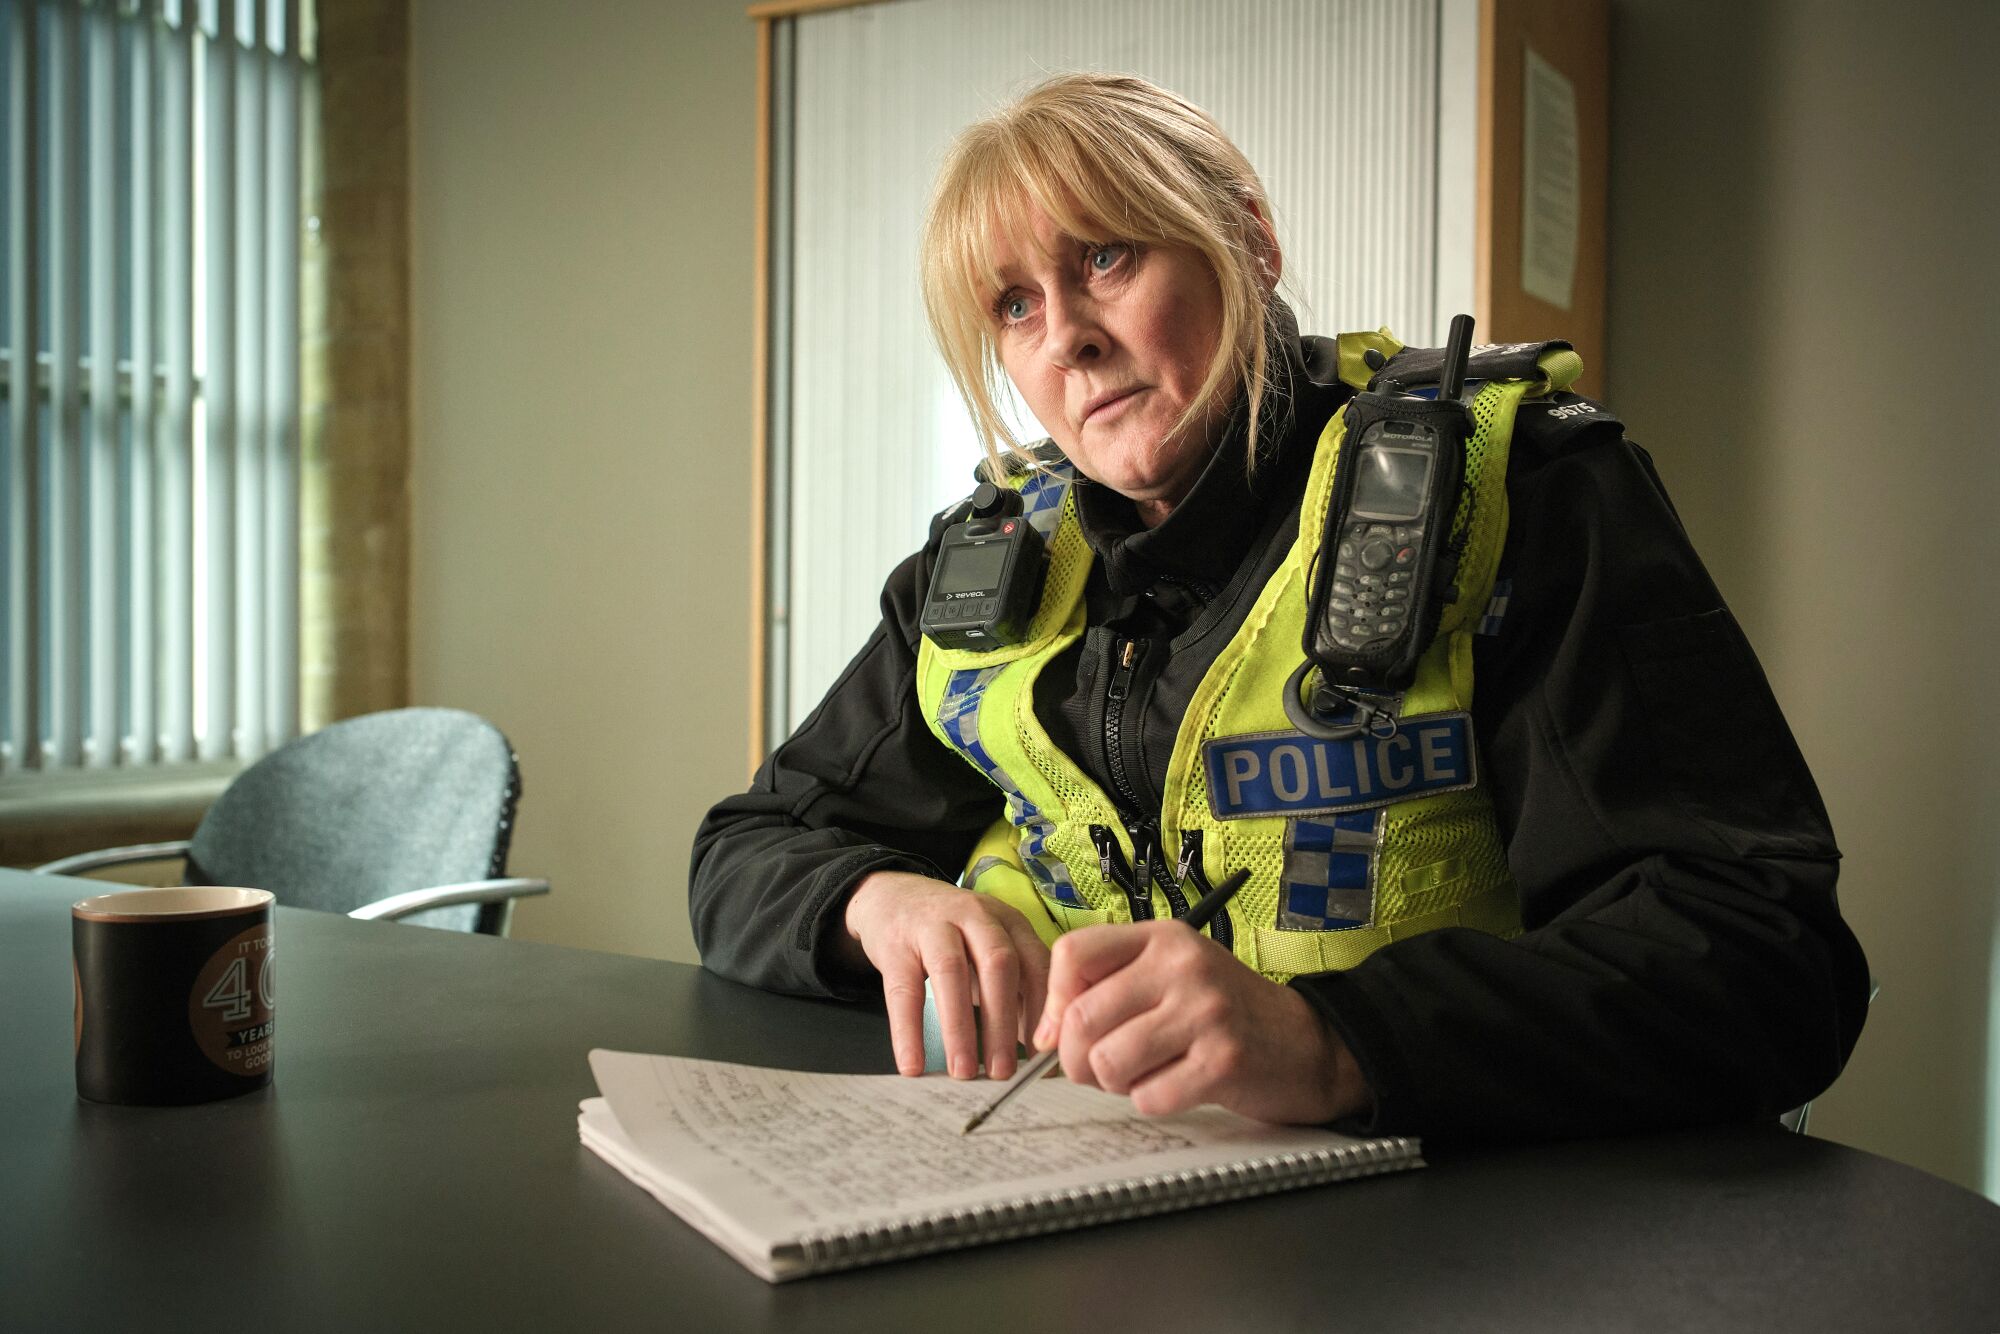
(1153, 1011)
(943, 952)
(1079, 960)
(988, 970)
(903, 994)
(998, 970)
(1140, 1050)
(1174, 1086)
(1034, 962)
(1111, 1032)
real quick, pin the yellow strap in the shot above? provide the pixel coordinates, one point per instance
(1352, 351)
(1560, 368)
(1495, 911)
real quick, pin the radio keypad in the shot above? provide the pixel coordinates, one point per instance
(1371, 579)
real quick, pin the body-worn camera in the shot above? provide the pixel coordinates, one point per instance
(988, 576)
(1387, 564)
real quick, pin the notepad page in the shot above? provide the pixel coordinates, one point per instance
(785, 1154)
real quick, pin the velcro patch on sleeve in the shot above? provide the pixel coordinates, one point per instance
(1562, 422)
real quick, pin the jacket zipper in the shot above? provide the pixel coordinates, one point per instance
(1189, 872)
(1120, 685)
(1152, 867)
(1137, 882)
(1148, 866)
(1112, 865)
(1153, 864)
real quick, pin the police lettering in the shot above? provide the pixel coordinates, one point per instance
(1294, 759)
(1437, 761)
(1397, 775)
(1329, 789)
(1243, 766)
(1292, 774)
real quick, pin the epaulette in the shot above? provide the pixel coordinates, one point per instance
(1562, 423)
(1418, 367)
(1321, 357)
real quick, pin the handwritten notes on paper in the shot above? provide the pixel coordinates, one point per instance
(795, 1173)
(832, 1148)
(823, 1149)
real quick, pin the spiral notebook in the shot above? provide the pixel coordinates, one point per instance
(796, 1173)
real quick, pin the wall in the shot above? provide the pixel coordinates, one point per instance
(581, 259)
(1794, 285)
(1802, 287)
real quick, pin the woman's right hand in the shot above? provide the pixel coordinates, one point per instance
(971, 946)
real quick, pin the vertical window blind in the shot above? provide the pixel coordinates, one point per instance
(1357, 114)
(149, 367)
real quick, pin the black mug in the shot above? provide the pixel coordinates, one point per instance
(174, 994)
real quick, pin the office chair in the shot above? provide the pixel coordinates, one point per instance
(404, 816)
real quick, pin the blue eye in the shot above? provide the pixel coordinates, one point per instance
(1105, 258)
(1014, 308)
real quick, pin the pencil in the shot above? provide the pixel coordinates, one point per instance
(1198, 917)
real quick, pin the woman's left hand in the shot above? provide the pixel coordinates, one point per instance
(1163, 1013)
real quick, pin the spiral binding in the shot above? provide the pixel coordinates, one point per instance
(1084, 1206)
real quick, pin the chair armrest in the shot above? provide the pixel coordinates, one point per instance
(108, 857)
(444, 896)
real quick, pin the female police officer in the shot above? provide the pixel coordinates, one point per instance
(1612, 908)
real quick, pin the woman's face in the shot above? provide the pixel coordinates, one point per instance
(1109, 344)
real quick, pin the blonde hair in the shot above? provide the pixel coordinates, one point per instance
(1109, 158)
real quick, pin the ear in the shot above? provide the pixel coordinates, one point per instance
(1264, 241)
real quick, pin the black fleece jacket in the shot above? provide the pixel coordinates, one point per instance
(1684, 960)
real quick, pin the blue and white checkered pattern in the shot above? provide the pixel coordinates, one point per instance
(1329, 882)
(1048, 870)
(958, 714)
(1496, 607)
(1042, 497)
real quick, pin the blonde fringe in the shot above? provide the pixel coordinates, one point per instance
(1109, 158)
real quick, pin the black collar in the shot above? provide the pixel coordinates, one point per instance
(1208, 533)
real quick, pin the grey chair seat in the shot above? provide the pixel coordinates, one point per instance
(406, 814)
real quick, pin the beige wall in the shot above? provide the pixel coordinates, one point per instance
(1798, 321)
(581, 261)
(1802, 323)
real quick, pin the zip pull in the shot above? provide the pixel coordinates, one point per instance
(1126, 794)
(1109, 858)
(1152, 864)
(1189, 872)
(1190, 862)
(1121, 679)
(1111, 865)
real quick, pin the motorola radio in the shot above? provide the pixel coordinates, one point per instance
(988, 575)
(1387, 560)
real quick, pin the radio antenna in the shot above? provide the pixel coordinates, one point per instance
(1457, 352)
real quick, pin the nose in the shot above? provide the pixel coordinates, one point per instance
(1073, 336)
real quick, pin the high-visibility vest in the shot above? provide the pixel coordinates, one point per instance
(1350, 844)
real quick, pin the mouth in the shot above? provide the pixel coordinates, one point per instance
(1107, 400)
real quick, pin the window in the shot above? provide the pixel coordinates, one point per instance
(149, 380)
(1358, 115)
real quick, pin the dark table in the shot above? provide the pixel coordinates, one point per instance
(415, 1166)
